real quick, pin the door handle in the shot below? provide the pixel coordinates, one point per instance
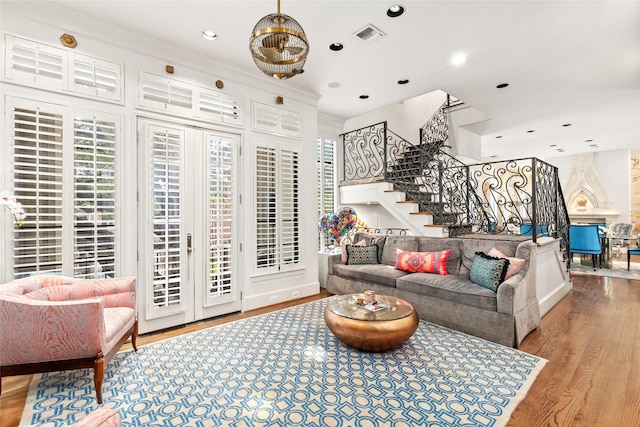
(189, 247)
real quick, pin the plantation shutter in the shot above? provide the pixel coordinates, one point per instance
(222, 108)
(277, 207)
(35, 64)
(166, 157)
(325, 178)
(97, 78)
(277, 121)
(94, 197)
(165, 94)
(38, 178)
(266, 238)
(289, 207)
(220, 216)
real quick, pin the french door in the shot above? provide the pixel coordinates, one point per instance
(188, 227)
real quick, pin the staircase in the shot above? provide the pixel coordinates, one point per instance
(431, 193)
(395, 202)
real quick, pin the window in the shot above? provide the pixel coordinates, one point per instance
(71, 211)
(277, 182)
(325, 178)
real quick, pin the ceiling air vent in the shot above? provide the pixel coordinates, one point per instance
(369, 34)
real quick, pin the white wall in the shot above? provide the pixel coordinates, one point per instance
(43, 23)
(404, 118)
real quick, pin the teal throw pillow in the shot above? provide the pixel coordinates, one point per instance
(488, 271)
(358, 255)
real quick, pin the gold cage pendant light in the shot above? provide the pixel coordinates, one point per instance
(279, 46)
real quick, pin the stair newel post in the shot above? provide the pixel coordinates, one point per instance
(384, 154)
(534, 199)
(440, 192)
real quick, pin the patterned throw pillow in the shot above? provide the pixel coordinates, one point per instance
(422, 262)
(487, 271)
(515, 264)
(358, 255)
(343, 257)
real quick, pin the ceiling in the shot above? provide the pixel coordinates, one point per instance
(566, 62)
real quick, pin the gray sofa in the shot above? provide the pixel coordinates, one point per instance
(452, 300)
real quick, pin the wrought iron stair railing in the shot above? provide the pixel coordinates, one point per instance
(511, 197)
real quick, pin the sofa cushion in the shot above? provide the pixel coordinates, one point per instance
(372, 239)
(343, 248)
(457, 289)
(357, 255)
(375, 273)
(488, 271)
(431, 244)
(405, 243)
(515, 264)
(422, 262)
(471, 246)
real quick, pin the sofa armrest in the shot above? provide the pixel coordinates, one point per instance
(40, 331)
(518, 291)
(331, 261)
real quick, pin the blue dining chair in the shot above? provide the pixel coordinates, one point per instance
(584, 239)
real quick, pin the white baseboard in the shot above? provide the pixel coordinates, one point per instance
(280, 295)
(554, 297)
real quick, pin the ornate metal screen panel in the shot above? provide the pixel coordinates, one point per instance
(364, 152)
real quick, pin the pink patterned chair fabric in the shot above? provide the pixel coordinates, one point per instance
(52, 323)
(102, 417)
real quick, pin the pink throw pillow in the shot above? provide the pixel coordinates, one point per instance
(515, 264)
(344, 250)
(422, 262)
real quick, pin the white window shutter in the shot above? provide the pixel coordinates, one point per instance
(34, 64)
(276, 121)
(266, 216)
(219, 107)
(164, 94)
(290, 123)
(38, 185)
(265, 118)
(289, 208)
(97, 78)
(220, 165)
(166, 192)
(278, 243)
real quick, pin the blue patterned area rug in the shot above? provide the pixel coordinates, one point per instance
(286, 368)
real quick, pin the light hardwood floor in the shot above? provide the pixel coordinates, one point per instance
(591, 340)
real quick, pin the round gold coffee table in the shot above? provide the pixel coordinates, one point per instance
(373, 331)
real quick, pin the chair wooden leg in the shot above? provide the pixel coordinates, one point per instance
(98, 375)
(593, 260)
(134, 337)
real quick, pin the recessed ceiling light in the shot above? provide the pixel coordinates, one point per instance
(336, 47)
(589, 140)
(209, 35)
(502, 85)
(395, 11)
(553, 145)
(531, 131)
(566, 125)
(458, 59)
(364, 96)
(499, 136)
(403, 81)
(334, 85)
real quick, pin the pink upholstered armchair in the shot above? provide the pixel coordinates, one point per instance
(55, 323)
